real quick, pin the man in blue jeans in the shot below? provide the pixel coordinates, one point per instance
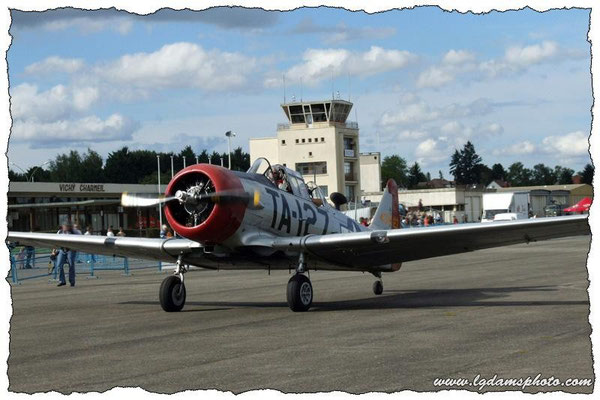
(66, 255)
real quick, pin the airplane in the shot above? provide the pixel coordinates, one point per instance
(268, 218)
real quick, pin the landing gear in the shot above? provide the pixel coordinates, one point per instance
(299, 288)
(378, 287)
(172, 289)
(172, 294)
(378, 284)
(299, 293)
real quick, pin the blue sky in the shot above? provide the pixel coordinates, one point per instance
(423, 81)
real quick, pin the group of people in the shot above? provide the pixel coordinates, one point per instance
(69, 256)
(421, 218)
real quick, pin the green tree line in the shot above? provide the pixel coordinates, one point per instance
(124, 166)
(466, 167)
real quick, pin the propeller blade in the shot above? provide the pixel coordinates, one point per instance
(138, 200)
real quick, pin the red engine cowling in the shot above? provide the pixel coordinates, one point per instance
(219, 221)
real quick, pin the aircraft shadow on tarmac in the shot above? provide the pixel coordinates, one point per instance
(425, 298)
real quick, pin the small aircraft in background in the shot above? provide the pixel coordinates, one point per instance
(583, 206)
(268, 218)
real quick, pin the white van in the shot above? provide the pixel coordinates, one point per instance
(516, 203)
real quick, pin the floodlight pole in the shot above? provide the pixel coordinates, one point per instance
(159, 193)
(229, 134)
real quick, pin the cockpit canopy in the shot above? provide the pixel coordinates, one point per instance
(288, 180)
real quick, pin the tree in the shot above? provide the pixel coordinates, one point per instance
(464, 165)
(518, 175)
(415, 175)
(66, 167)
(440, 174)
(484, 174)
(395, 167)
(587, 175)
(498, 172)
(91, 167)
(564, 176)
(543, 175)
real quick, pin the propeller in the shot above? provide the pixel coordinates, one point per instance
(192, 198)
(141, 200)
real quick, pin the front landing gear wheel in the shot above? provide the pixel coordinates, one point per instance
(299, 293)
(172, 294)
(377, 287)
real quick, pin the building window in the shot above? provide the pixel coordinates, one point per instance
(297, 141)
(322, 139)
(312, 168)
(310, 153)
(349, 171)
(303, 140)
(309, 140)
(283, 142)
(350, 192)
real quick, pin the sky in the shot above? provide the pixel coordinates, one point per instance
(423, 81)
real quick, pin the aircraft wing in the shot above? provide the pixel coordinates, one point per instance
(373, 248)
(146, 248)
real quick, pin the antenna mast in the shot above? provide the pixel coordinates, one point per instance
(283, 88)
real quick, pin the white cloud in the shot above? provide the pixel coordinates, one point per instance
(571, 144)
(458, 57)
(87, 25)
(180, 65)
(457, 63)
(409, 114)
(413, 111)
(319, 64)
(55, 103)
(434, 77)
(529, 55)
(84, 130)
(55, 64)
(520, 148)
(431, 151)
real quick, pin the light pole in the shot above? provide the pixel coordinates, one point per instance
(229, 134)
(159, 193)
(196, 159)
(183, 162)
(31, 175)
(172, 166)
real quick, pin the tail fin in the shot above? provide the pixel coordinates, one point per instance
(387, 215)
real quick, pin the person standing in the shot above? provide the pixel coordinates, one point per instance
(110, 232)
(121, 232)
(90, 257)
(66, 255)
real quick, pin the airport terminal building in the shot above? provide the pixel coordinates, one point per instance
(42, 206)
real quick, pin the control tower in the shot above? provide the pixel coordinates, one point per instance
(317, 141)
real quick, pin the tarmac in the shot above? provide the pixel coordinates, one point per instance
(513, 312)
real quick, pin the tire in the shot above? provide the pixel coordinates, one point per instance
(299, 293)
(377, 287)
(172, 294)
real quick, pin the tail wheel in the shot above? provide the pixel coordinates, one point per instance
(172, 294)
(378, 287)
(299, 293)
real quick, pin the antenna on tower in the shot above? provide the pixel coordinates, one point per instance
(349, 87)
(301, 88)
(332, 90)
(284, 88)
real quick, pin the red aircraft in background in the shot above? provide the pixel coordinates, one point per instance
(581, 207)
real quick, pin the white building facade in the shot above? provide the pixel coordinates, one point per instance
(318, 142)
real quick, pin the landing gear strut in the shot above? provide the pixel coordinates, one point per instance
(299, 288)
(172, 289)
(378, 284)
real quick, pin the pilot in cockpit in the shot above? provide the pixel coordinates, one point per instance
(280, 178)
